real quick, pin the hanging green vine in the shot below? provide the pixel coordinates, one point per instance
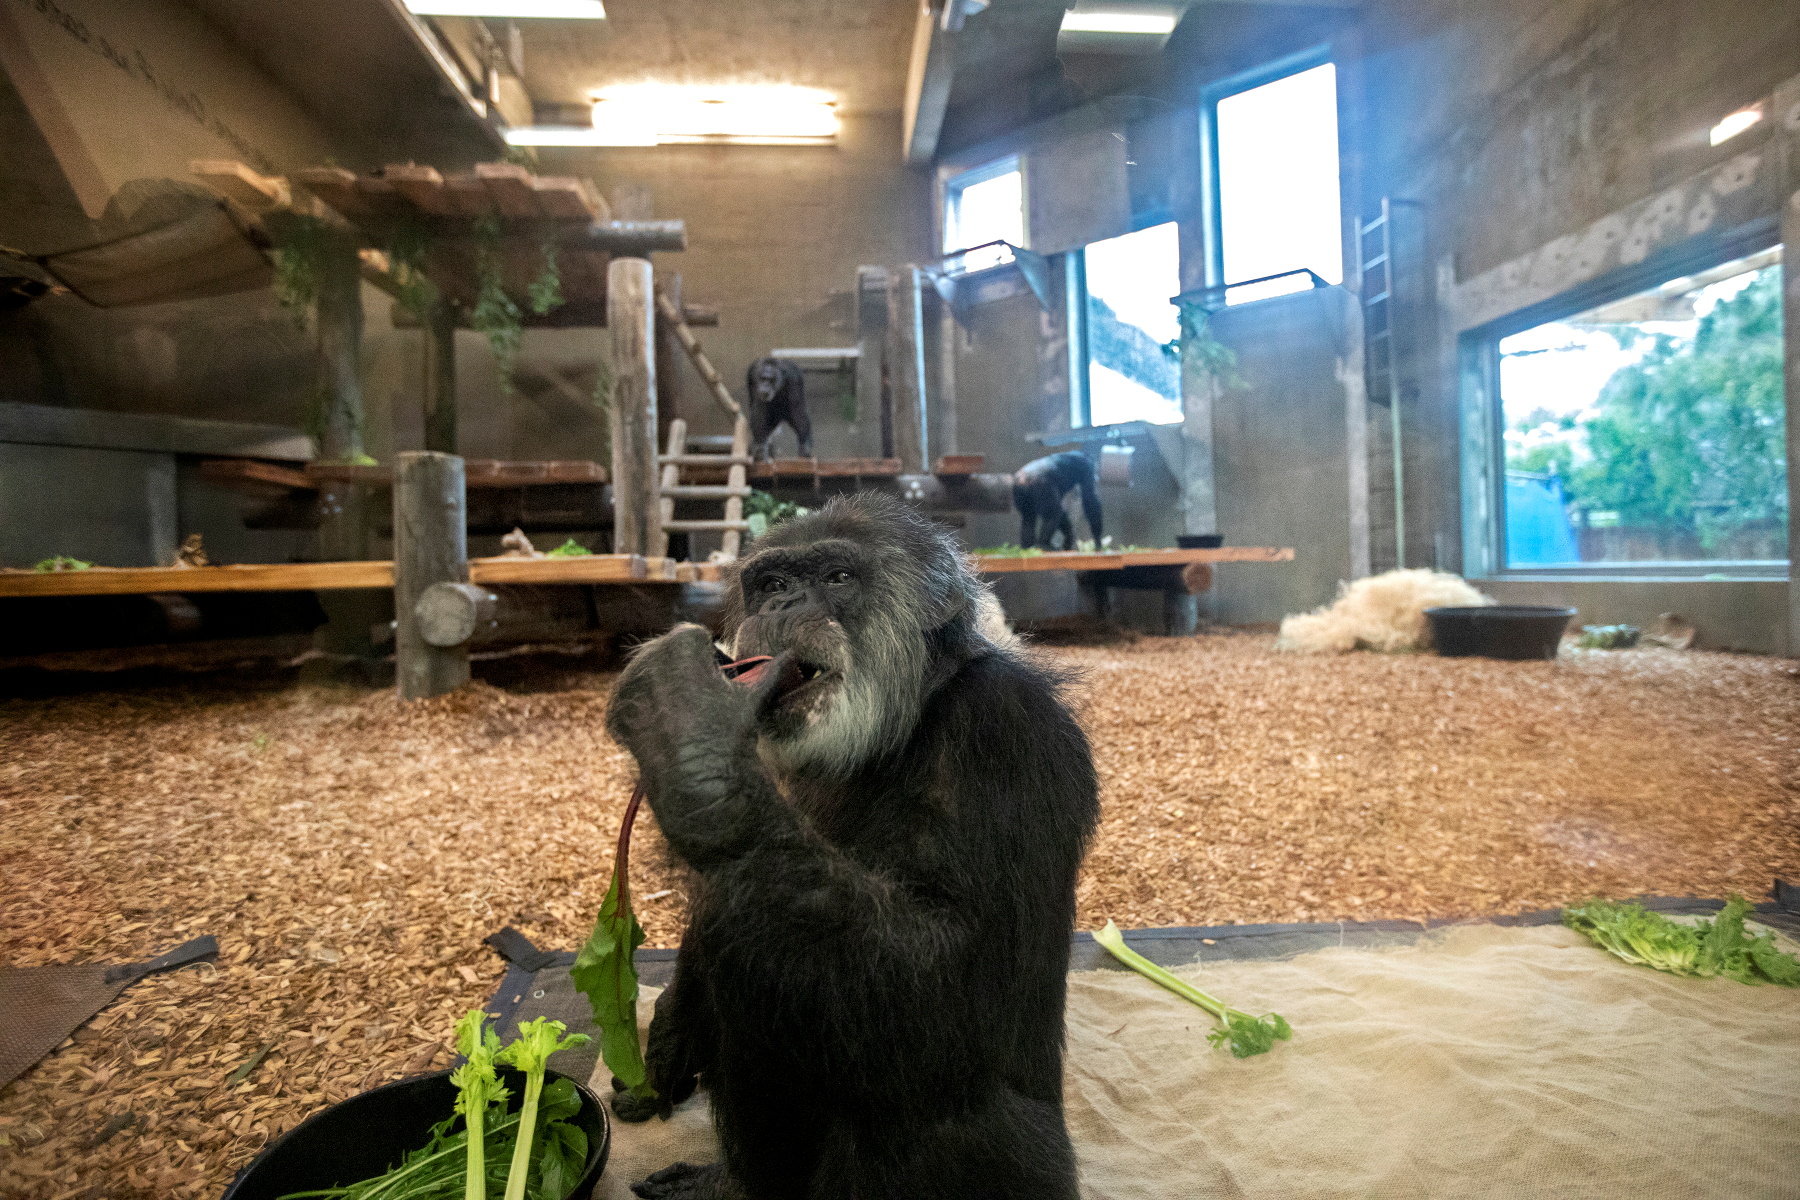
(1197, 345)
(300, 249)
(546, 289)
(496, 317)
(603, 394)
(408, 244)
(846, 389)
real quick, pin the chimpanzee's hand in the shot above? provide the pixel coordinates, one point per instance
(693, 734)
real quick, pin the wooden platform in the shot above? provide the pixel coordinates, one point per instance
(1076, 560)
(329, 576)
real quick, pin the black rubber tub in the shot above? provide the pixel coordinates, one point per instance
(366, 1134)
(1514, 631)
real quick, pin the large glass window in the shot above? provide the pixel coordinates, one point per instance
(1275, 168)
(1132, 329)
(1650, 429)
(985, 205)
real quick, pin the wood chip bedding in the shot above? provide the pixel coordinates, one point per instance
(350, 852)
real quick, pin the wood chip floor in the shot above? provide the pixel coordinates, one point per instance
(350, 852)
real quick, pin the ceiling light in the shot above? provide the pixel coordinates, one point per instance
(1735, 124)
(566, 10)
(1146, 23)
(558, 135)
(666, 114)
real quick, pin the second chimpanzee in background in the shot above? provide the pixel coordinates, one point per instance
(777, 390)
(1038, 491)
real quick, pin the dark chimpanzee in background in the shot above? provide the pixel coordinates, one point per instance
(777, 390)
(886, 829)
(1038, 491)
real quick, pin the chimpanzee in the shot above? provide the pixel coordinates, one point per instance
(1038, 490)
(777, 390)
(886, 830)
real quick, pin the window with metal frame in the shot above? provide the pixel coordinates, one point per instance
(1130, 366)
(982, 207)
(1270, 153)
(1644, 431)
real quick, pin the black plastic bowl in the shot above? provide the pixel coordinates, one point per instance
(1514, 631)
(365, 1135)
(1200, 541)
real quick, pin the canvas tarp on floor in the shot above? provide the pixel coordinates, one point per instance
(1476, 1060)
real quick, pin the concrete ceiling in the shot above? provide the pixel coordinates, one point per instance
(855, 49)
(360, 70)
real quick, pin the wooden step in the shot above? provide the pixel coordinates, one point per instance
(702, 460)
(703, 491)
(704, 526)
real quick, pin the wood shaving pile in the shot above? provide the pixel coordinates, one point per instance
(350, 851)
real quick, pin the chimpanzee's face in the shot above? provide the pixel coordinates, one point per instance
(806, 601)
(766, 381)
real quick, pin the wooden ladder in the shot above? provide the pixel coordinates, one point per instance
(732, 491)
(680, 454)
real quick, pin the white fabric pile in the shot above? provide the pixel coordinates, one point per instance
(1384, 612)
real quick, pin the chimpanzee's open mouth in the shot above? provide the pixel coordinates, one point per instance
(805, 682)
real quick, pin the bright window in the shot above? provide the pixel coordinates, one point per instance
(1276, 184)
(985, 205)
(1132, 330)
(1650, 429)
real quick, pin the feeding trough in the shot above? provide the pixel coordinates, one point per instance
(1510, 631)
(367, 1134)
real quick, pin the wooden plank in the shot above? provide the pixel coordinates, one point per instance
(249, 577)
(959, 464)
(787, 468)
(336, 187)
(495, 473)
(375, 476)
(249, 470)
(566, 196)
(509, 187)
(250, 189)
(591, 568)
(421, 185)
(1075, 560)
(467, 195)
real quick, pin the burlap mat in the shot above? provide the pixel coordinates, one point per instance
(1485, 1061)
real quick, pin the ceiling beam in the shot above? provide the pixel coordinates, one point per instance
(928, 79)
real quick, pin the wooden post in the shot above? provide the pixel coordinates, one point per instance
(905, 365)
(339, 315)
(440, 377)
(430, 546)
(630, 315)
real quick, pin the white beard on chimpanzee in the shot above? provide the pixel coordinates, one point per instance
(886, 829)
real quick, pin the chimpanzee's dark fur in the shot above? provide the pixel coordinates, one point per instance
(1038, 490)
(871, 984)
(777, 389)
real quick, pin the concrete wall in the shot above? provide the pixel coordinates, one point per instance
(1541, 143)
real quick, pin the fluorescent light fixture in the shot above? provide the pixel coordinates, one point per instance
(1102, 21)
(652, 114)
(1735, 124)
(558, 135)
(562, 10)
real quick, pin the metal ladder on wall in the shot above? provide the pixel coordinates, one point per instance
(1378, 345)
(680, 453)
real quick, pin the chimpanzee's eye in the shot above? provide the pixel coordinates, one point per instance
(770, 584)
(838, 577)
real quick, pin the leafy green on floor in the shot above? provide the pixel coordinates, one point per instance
(1703, 950)
(1245, 1034)
(61, 562)
(569, 549)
